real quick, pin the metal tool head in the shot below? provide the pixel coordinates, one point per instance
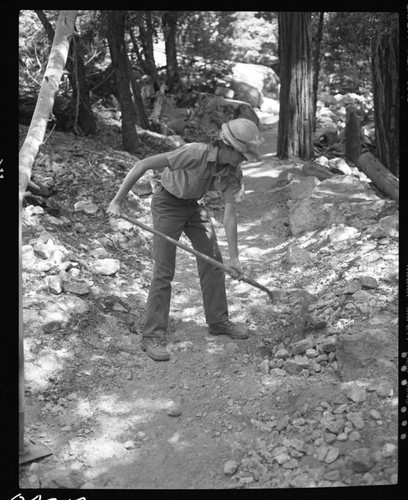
(32, 452)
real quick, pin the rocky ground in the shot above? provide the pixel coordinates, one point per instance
(309, 400)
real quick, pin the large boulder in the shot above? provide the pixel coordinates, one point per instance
(335, 201)
(368, 350)
(261, 77)
(248, 93)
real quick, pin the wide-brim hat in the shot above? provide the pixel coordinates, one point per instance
(248, 149)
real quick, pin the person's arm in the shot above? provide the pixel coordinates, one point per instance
(231, 232)
(156, 162)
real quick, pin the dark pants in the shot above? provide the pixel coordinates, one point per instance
(172, 216)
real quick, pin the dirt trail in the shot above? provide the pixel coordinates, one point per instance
(208, 418)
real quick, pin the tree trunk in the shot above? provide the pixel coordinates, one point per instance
(380, 175)
(295, 129)
(385, 68)
(146, 39)
(49, 87)
(120, 62)
(169, 28)
(140, 113)
(353, 135)
(316, 64)
(84, 120)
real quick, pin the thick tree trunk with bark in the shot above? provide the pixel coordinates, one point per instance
(353, 135)
(316, 64)
(385, 68)
(120, 62)
(380, 175)
(295, 129)
(169, 28)
(84, 120)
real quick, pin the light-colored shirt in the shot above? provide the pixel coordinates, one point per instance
(193, 170)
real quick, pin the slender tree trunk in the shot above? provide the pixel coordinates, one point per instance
(49, 87)
(148, 65)
(295, 128)
(146, 38)
(120, 62)
(169, 28)
(385, 69)
(316, 64)
(140, 113)
(84, 120)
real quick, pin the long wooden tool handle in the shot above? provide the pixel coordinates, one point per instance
(212, 261)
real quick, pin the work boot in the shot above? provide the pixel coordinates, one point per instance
(228, 328)
(155, 348)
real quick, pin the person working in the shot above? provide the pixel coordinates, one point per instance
(187, 174)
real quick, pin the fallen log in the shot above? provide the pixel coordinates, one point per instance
(380, 175)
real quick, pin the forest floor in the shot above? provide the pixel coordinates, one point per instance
(219, 414)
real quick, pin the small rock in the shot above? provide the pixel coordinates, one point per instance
(390, 224)
(106, 267)
(282, 353)
(322, 358)
(230, 467)
(332, 455)
(292, 367)
(356, 420)
(362, 460)
(296, 255)
(129, 445)
(329, 344)
(302, 346)
(79, 228)
(29, 260)
(368, 282)
(335, 426)
(342, 233)
(352, 287)
(55, 284)
(282, 423)
(330, 437)
(33, 481)
(282, 458)
(342, 436)
(368, 478)
(278, 372)
(88, 486)
(384, 389)
(311, 353)
(388, 450)
(119, 308)
(375, 414)
(86, 206)
(99, 253)
(333, 475)
(264, 366)
(341, 409)
(354, 436)
(77, 288)
(76, 466)
(356, 394)
(362, 296)
(174, 411)
(322, 453)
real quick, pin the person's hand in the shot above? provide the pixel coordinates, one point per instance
(114, 209)
(236, 267)
(240, 196)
